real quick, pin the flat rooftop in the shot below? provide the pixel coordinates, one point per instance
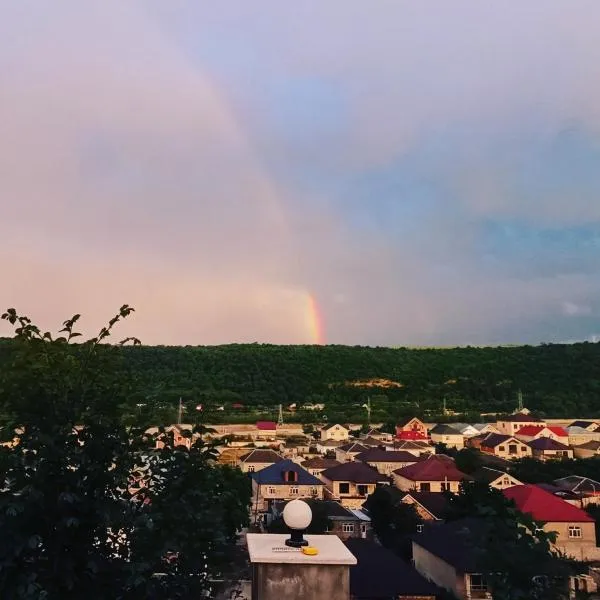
(271, 548)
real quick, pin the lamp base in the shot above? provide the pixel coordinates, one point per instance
(296, 540)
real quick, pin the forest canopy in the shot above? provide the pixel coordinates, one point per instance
(556, 380)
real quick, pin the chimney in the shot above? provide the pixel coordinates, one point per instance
(297, 567)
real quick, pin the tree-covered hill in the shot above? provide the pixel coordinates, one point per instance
(556, 380)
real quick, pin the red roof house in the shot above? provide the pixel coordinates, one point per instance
(266, 425)
(544, 506)
(533, 432)
(435, 474)
(410, 435)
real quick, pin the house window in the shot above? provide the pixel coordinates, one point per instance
(271, 491)
(363, 528)
(425, 487)
(363, 490)
(290, 476)
(314, 491)
(420, 528)
(523, 448)
(478, 583)
(294, 490)
(506, 481)
(445, 486)
(574, 531)
(250, 468)
(512, 448)
(501, 448)
(344, 488)
(348, 527)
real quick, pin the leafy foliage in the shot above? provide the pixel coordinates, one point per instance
(530, 470)
(556, 380)
(391, 519)
(73, 522)
(514, 554)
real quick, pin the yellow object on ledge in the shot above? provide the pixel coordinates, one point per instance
(310, 550)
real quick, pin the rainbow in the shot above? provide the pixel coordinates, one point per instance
(314, 320)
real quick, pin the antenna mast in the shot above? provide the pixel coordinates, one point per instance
(280, 417)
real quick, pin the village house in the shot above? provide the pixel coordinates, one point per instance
(255, 460)
(466, 429)
(575, 529)
(411, 429)
(495, 478)
(379, 574)
(586, 489)
(351, 483)
(297, 446)
(372, 442)
(533, 432)
(231, 456)
(386, 461)
(436, 474)
(448, 435)
(430, 506)
(511, 424)
(284, 480)
(315, 466)
(589, 425)
(483, 428)
(336, 432)
(504, 446)
(379, 435)
(348, 452)
(180, 435)
(414, 447)
(580, 435)
(445, 555)
(545, 448)
(588, 450)
(328, 446)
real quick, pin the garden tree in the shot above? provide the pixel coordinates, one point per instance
(530, 470)
(514, 553)
(468, 460)
(391, 519)
(73, 523)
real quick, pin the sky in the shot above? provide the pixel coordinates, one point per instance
(366, 172)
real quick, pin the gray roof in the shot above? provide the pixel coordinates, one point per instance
(274, 474)
(444, 429)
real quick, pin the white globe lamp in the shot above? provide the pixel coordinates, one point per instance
(297, 515)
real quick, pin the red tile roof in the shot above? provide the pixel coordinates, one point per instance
(543, 506)
(410, 435)
(560, 431)
(266, 425)
(432, 469)
(531, 430)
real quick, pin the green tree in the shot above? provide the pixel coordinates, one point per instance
(468, 460)
(391, 519)
(73, 523)
(514, 554)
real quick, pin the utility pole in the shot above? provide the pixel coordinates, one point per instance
(179, 411)
(520, 401)
(280, 417)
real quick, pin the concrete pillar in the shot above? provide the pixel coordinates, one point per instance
(283, 573)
